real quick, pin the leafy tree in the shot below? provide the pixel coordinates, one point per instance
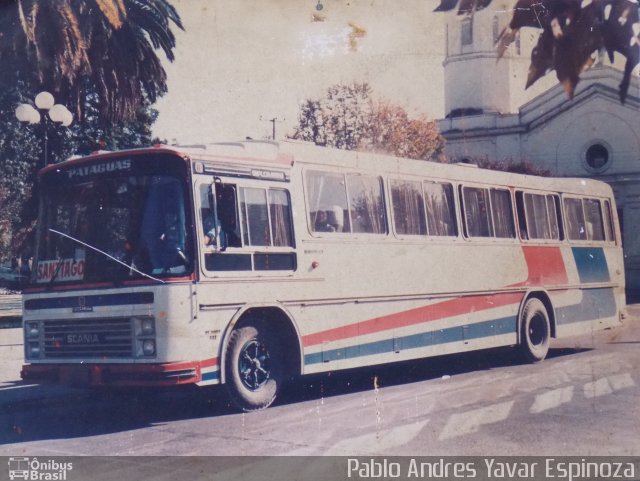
(82, 48)
(347, 118)
(392, 131)
(21, 155)
(573, 32)
(19, 152)
(340, 119)
(99, 59)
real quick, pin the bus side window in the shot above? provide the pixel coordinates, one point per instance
(441, 211)
(608, 222)
(327, 202)
(593, 218)
(574, 217)
(555, 217)
(477, 214)
(502, 213)
(219, 218)
(522, 219)
(366, 203)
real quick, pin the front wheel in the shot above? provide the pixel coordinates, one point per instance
(254, 367)
(535, 334)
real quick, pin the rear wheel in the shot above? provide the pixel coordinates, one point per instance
(254, 367)
(535, 331)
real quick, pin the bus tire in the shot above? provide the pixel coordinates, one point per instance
(254, 368)
(535, 334)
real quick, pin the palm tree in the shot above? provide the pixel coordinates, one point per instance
(80, 48)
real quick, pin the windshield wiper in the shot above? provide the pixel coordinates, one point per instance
(106, 255)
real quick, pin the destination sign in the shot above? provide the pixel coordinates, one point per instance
(61, 270)
(99, 168)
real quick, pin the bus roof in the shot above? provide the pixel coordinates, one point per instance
(288, 153)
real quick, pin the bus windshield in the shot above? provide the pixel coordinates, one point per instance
(112, 225)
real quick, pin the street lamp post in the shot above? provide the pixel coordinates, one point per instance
(45, 107)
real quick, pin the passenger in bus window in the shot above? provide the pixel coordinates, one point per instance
(322, 222)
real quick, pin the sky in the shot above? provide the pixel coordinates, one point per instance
(242, 62)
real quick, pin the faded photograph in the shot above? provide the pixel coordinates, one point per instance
(288, 228)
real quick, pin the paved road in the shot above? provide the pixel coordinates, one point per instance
(581, 401)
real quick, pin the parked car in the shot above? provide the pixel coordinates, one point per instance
(11, 279)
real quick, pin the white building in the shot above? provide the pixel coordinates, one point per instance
(489, 114)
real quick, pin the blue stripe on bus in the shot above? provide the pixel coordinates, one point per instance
(127, 298)
(591, 264)
(489, 328)
(211, 376)
(596, 303)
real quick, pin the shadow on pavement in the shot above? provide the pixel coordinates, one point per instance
(84, 413)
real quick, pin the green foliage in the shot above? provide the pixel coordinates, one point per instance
(86, 48)
(348, 118)
(19, 154)
(99, 59)
(340, 119)
(22, 155)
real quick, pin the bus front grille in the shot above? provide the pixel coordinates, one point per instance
(88, 338)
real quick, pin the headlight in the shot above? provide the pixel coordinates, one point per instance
(144, 326)
(145, 330)
(33, 330)
(147, 327)
(33, 350)
(149, 347)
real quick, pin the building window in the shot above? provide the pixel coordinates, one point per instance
(597, 157)
(466, 32)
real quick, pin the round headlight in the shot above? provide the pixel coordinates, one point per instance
(32, 329)
(34, 350)
(149, 347)
(147, 326)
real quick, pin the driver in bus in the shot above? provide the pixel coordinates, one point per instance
(212, 230)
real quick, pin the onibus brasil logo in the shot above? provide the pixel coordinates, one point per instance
(33, 469)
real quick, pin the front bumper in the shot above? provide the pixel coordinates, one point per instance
(87, 374)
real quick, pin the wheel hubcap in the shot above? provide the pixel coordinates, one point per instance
(254, 365)
(537, 330)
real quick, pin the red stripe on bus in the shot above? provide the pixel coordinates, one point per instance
(433, 312)
(545, 266)
(209, 362)
(175, 366)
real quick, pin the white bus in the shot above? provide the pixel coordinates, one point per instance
(248, 263)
